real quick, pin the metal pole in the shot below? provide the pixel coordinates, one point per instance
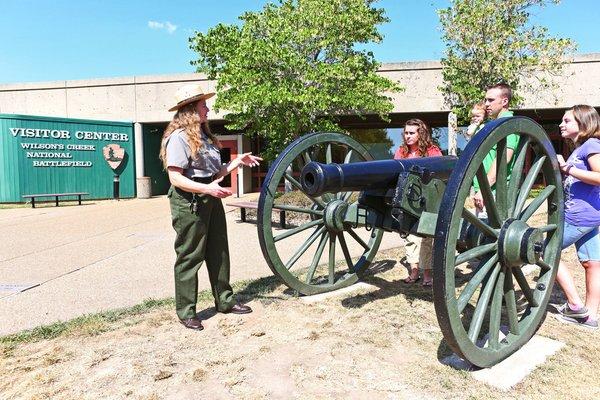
(116, 187)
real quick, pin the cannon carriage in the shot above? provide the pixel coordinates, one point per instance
(492, 276)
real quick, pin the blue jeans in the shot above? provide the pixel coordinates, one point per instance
(586, 240)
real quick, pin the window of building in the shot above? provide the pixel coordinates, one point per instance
(383, 143)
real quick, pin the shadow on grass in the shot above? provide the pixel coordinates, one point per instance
(444, 351)
(390, 288)
(386, 288)
(260, 289)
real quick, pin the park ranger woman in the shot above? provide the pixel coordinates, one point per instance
(190, 154)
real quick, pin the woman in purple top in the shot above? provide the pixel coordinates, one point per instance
(582, 213)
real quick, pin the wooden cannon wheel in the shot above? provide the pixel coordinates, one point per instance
(316, 225)
(492, 285)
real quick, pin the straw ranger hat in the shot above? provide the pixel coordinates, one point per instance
(188, 94)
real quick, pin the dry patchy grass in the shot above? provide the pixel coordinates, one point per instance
(384, 343)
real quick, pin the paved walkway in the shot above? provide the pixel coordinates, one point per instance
(57, 263)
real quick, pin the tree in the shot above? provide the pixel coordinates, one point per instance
(376, 140)
(492, 41)
(294, 67)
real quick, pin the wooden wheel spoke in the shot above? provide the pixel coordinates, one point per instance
(517, 173)
(511, 305)
(292, 180)
(307, 158)
(501, 172)
(302, 210)
(544, 265)
(344, 247)
(299, 229)
(488, 197)
(298, 186)
(304, 247)
(548, 228)
(474, 283)
(475, 252)
(358, 239)
(496, 312)
(536, 203)
(331, 259)
(482, 305)
(348, 156)
(527, 185)
(315, 261)
(328, 157)
(481, 225)
(525, 288)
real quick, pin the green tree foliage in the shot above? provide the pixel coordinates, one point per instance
(294, 67)
(492, 41)
(376, 140)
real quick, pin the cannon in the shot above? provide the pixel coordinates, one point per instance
(493, 276)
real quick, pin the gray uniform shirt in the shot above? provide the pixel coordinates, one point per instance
(206, 164)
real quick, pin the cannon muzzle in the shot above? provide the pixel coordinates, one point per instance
(317, 178)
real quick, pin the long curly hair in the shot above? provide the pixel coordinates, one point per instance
(187, 119)
(425, 140)
(588, 120)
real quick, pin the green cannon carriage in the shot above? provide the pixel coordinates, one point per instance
(493, 276)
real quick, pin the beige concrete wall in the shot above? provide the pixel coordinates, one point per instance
(579, 84)
(420, 81)
(138, 99)
(147, 98)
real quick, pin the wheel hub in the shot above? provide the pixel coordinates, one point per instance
(334, 215)
(520, 244)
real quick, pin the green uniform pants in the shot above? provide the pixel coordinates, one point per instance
(200, 237)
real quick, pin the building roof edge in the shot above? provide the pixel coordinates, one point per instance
(192, 76)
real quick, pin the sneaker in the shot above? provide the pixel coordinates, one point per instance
(566, 311)
(585, 322)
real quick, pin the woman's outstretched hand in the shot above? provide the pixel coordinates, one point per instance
(248, 160)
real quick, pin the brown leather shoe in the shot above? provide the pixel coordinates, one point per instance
(239, 309)
(192, 323)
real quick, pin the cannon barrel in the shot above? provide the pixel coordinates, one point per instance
(317, 178)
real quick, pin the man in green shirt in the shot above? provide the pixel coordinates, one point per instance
(497, 99)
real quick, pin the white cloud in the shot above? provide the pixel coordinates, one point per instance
(168, 26)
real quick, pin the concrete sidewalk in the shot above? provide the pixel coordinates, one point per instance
(57, 263)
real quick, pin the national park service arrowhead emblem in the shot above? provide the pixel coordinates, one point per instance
(113, 154)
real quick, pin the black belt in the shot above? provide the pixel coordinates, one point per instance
(207, 179)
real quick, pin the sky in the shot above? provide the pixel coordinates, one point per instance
(44, 40)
